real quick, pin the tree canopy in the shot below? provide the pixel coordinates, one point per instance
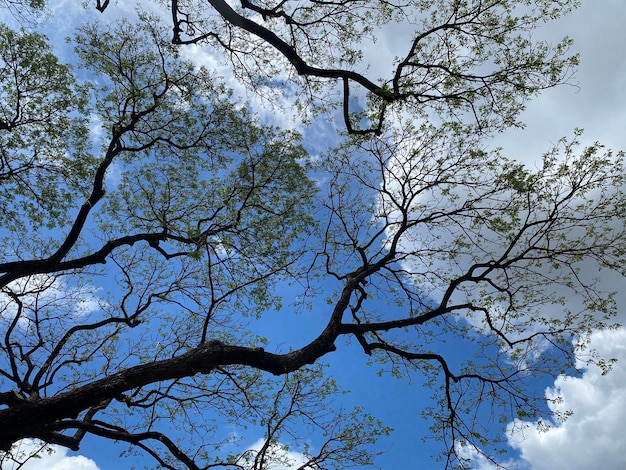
(151, 223)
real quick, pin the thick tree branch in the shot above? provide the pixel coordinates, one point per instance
(26, 418)
(17, 269)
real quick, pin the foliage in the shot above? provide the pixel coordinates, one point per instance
(24, 11)
(151, 224)
(462, 58)
(40, 123)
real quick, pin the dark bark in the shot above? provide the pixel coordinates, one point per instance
(32, 417)
(27, 418)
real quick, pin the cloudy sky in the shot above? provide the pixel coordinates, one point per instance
(594, 434)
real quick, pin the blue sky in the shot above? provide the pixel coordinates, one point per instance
(593, 435)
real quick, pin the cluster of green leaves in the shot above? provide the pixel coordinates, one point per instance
(466, 61)
(43, 160)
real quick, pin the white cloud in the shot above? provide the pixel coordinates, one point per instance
(598, 105)
(96, 130)
(594, 434)
(30, 452)
(275, 104)
(278, 457)
(478, 461)
(43, 291)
